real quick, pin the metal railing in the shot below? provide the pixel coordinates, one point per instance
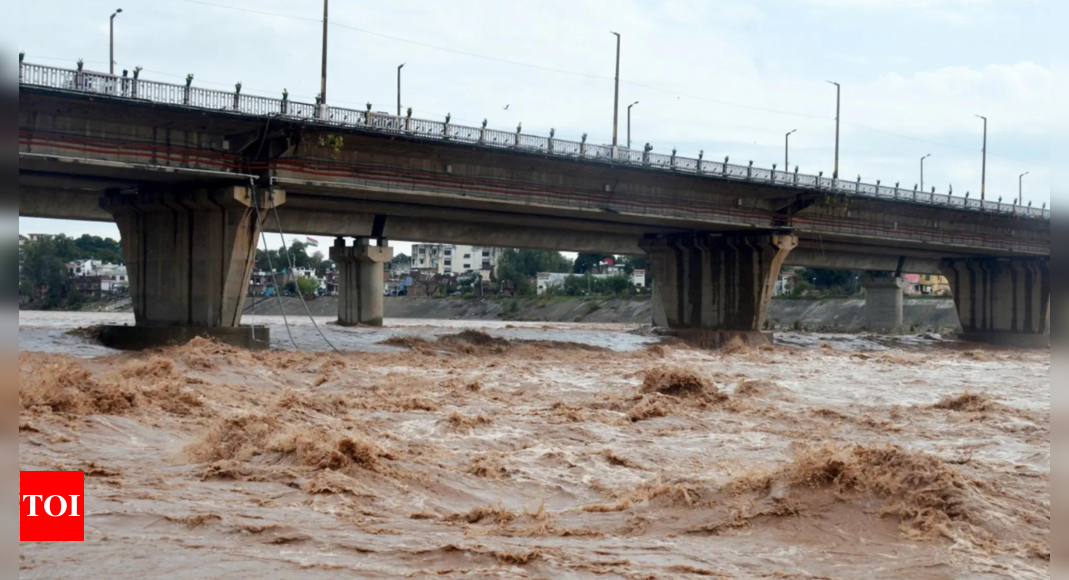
(132, 88)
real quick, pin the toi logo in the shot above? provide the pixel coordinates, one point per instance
(52, 506)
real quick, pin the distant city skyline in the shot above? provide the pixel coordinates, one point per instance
(729, 78)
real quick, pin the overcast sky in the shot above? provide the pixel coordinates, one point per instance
(729, 77)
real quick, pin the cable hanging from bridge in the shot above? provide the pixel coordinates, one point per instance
(270, 262)
(293, 268)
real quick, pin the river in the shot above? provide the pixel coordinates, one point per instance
(482, 450)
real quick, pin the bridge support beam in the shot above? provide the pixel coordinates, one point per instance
(719, 282)
(361, 269)
(189, 254)
(1002, 302)
(884, 302)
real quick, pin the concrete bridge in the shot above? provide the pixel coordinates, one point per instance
(192, 176)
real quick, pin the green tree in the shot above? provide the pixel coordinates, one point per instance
(632, 263)
(307, 285)
(531, 262)
(45, 264)
(11, 261)
(574, 286)
(297, 254)
(586, 262)
(842, 282)
(510, 279)
(97, 248)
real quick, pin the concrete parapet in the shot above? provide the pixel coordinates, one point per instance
(884, 302)
(361, 269)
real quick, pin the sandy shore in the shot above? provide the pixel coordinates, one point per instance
(464, 455)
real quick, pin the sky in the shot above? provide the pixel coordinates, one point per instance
(727, 77)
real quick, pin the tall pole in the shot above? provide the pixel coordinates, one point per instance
(399, 89)
(1020, 194)
(629, 123)
(983, 178)
(922, 169)
(616, 100)
(787, 152)
(323, 77)
(838, 122)
(111, 44)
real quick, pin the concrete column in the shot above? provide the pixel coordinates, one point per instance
(189, 254)
(884, 302)
(361, 279)
(1003, 302)
(716, 281)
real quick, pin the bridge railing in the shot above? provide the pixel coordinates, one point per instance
(188, 96)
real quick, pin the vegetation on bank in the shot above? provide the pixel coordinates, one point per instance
(44, 282)
(819, 284)
(296, 254)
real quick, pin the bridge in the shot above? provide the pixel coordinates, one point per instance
(193, 176)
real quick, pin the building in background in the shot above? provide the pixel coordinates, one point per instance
(786, 283)
(927, 285)
(96, 278)
(263, 283)
(454, 259)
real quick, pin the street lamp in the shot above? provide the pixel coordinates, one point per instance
(983, 182)
(787, 152)
(616, 101)
(111, 51)
(1020, 195)
(922, 169)
(399, 88)
(629, 123)
(323, 75)
(838, 116)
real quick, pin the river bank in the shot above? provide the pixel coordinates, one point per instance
(833, 315)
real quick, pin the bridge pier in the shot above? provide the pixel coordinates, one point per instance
(189, 254)
(1002, 302)
(884, 302)
(361, 269)
(717, 282)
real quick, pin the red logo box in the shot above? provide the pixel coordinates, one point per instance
(52, 506)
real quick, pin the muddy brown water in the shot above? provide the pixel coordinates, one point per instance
(542, 452)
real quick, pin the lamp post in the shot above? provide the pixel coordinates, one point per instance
(1020, 195)
(838, 122)
(922, 169)
(983, 178)
(399, 88)
(616, 101)
(629, 123)
(111, 45)
(787, 152)
(323, 75)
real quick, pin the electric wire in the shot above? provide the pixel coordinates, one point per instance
(600, 77)
(270, 263)
(278, 220)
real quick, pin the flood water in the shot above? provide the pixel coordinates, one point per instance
(456, 450)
